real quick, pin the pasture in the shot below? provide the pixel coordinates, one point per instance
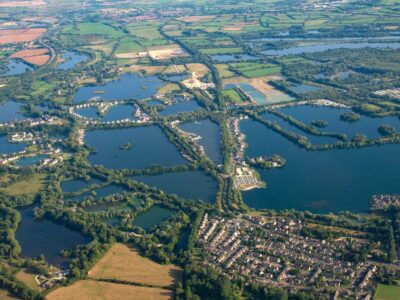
(97, 290)
(123, 262)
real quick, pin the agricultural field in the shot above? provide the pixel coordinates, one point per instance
(387, 292)
(122, 262)
(20, 35)
(93, 29)
(96, 290)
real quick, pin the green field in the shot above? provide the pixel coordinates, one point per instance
(93, 29)
(127, 45)
(214, 51)
(387, 292)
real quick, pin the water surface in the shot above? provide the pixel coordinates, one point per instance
(129, 86)
(31, 160)
(180, 107)
(71, 59)
(233, 57)
(6, 147)
(328, 46)
(210, 137)
(16, 67)
(194, 185)
(98, 193)
(149, 147)
(365, 125)
(321, 181)
(152, 217)
(74, 185)
(47, 238)
(10, 111)
(114, 113)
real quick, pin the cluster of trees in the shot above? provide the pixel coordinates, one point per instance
(9, 221)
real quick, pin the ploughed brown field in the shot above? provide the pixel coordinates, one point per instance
(36, 57)
(8, 36)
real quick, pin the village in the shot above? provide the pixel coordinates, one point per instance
(272, 251)
(138, 116)
(381, 202)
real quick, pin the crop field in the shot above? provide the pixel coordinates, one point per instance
(168, 89)
(233, 96)
(97, 290)
(127, 45)
(387, 292)
(256, 69)
(93, 29)
(20, 35)
(36, 57)
(146, 31)
(166, 52)
(215, 51)
(223, 71)
(261, 85)
(124, 263)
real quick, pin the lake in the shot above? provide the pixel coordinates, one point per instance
(152, 217)
(10, 111)
(287, 126)
(16, 67)
(304, 88)
(114, 113)
(31, 160)
(47, 238)
(75, 185)
(180, 107)
(328, 46)
(210, 137)
(194, 185)
(233, 57)
(321, 181)
(6, 147)
(150, 147)
(98, 193)
(70, 59)
(129, 86)
(365, 125)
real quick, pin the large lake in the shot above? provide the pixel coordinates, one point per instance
(129, 86)
(47, 238)
(70, 59)
(149, 144)
(365, 125)
(320, 181)
(16, 67)
(10, 111)
(194, 185)
(328, 46)
(114, 113)
(180, 107)
(6, 147)
(210, 137)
